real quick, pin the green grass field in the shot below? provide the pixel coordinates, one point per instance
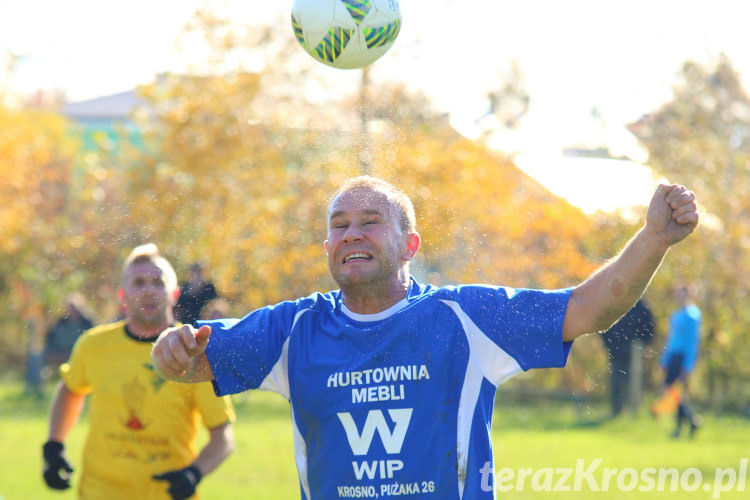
(545, 438)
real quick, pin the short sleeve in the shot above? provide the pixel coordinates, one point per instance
(73, 373)
(525, 323)
(214, 410)
(243, 352)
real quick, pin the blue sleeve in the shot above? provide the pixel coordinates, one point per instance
(526, 324)
(243, 352)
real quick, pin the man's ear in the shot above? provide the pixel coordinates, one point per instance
(413, 241)
(176, 294)
(121, 297)
(325, 246)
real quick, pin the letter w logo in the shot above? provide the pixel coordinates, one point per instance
(392, 441)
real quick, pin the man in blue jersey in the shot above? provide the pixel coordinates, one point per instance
(681, 353)
(392, 382)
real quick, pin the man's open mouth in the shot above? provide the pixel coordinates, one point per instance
(357, 256)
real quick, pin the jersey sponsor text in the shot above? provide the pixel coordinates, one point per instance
(378, 375)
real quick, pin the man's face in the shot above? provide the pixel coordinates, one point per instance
(366, 245)
(144, 294)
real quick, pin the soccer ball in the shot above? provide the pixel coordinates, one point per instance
(346, 33)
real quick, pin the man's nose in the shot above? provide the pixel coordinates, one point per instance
(352, 233)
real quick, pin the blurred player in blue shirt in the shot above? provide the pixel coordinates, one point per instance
(681, 353)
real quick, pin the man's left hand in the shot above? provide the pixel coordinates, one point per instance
(672, 214)
(182, 482)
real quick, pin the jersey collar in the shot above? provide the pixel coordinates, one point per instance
(414, 290)
(135, 337)
(377, 316)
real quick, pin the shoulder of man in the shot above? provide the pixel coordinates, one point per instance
(100, 331)
(91, 343)
(280, 313)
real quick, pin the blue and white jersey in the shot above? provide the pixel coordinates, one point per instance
(399, 403)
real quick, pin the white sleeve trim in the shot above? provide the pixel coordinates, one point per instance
(300, 457)
(467, 405)
(496, 365)
(277, 379)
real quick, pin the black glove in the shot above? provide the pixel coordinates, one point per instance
(182, 482)
(56, 468)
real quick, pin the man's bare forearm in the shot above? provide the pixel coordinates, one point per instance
(218, 448)
(65, 409)
(612, 290)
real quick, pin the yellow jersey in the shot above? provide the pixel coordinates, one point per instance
(139, 423)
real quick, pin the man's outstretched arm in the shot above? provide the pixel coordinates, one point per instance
(612, 290)
(179, 354)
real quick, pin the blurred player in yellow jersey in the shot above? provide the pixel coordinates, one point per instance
(142, 429)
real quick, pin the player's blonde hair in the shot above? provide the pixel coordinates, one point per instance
(397, 198)
(149, 252)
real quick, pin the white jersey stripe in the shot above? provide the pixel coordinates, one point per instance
(466, 407)
(277, 379)
(300, 457)
(497, 365)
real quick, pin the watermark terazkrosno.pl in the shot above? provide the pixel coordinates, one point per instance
(591, 476)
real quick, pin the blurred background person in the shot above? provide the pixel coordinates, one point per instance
(34, 363)
(624, 342)
(194, 295)
(678, 359)
(218, 308)
(59, 341)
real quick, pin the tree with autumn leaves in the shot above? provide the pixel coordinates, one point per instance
(227, 164)
(235, 171)
(252, 203)
(36, 157)
(241, 182)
